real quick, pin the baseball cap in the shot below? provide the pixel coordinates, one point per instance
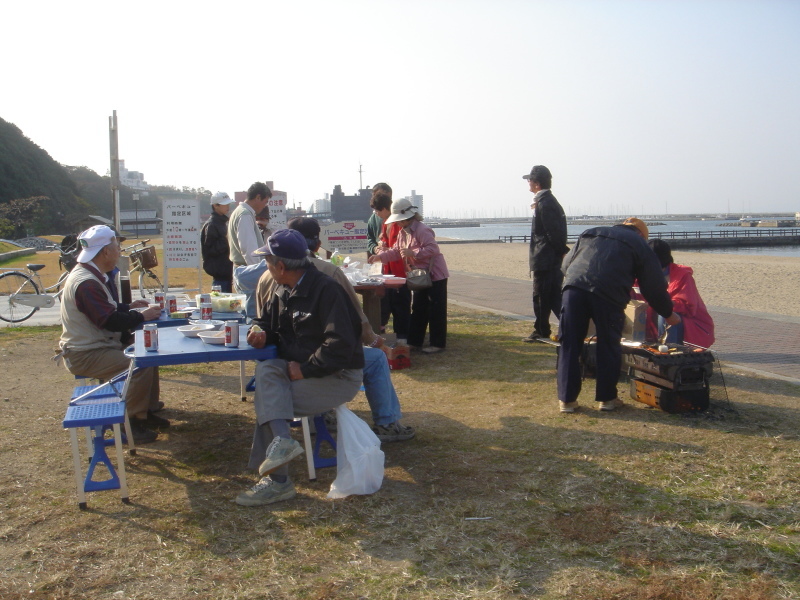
(639, 224)
(538, 170)
(221, 198)
(93, 240)
(285, 243)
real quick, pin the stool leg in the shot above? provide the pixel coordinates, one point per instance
(242, 382)
(129, 436)
(312, 471)
(123, 482)
(76, 460)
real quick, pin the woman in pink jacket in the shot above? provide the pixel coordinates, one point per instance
(416, 245)
(697, 326)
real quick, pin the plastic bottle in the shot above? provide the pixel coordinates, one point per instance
(336, 258)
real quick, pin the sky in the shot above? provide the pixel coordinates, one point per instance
(638, 107)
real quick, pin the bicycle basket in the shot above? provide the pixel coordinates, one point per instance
(146, 257)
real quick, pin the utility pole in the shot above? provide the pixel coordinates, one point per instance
(114, 142)
(360, 180)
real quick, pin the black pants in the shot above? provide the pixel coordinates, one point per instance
(397, 304)
(429, 307)
(578, 307)
(546, 299)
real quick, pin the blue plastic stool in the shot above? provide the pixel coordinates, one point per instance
(313, 459)
(97, 417)
(104, 393)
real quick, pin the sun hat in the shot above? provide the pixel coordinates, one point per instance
(638, 224)
(221, 198)
(285, 243)
(401, 210)
(93, 240)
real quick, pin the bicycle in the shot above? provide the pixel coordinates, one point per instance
(21, 290)
(142, 261)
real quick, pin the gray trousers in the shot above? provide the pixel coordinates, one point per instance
(143, 389)
(277, 397)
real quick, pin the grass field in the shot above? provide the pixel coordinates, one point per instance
(498, 496)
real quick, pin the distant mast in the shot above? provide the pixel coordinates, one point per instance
(114, 143)
(360, 180)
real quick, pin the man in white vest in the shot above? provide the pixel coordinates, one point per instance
(96, 328)
(245, 237)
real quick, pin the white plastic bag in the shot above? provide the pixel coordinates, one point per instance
(359, 458)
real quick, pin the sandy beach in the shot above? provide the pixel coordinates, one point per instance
(766, 284)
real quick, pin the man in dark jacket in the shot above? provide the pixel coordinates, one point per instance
(548, 247)
(318, 337)
(214, 243)
(599, 273)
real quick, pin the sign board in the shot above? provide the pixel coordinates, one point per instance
(348, 237)
(181, 233)
(277, 210)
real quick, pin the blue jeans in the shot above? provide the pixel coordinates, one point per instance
(378, 387)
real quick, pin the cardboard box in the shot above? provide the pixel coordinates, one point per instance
(400, 358)
(635, 321)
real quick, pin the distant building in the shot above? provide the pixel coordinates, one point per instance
(140, 222)
(416, 200)
(132, 179)
(321, 206)
(350, 208)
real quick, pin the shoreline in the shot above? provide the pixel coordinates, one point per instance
(754, 283)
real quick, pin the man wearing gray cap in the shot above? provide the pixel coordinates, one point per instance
(548, 247)
(317, 333)
(214, 243)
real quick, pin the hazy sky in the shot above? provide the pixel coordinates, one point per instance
(637, 107)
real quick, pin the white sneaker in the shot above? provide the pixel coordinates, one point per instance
(569, 407)
(266, 491)
(611, 404)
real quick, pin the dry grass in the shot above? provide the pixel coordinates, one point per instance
(499, 496)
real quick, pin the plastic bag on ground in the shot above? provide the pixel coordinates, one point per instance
(359, 458)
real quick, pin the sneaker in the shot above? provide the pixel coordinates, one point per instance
(401, 342)
(153, 421)
(280, 451)
(142, 435)
(611, 404)
(157, 407)
(394, 432)
(267, 491)
(568, 407)
(432, 350)
(534, 337)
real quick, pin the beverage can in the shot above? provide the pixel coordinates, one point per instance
(205, 311)
(172, 304)
(203, 298)
(150, 332)
(160, 297)
(232, 334)
(216, 288)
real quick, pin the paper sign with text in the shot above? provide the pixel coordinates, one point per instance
(181, 233)
(348, 237)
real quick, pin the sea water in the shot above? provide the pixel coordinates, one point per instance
(492, 231)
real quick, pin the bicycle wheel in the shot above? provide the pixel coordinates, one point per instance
(14, 283)
(149, 284)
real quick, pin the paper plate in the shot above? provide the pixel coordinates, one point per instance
(195, 330)
(212, 337)
(213, 322)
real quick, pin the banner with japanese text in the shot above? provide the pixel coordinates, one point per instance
(348, 237)
(181, 233)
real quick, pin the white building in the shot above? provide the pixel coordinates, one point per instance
(132, 179)
(416, 200)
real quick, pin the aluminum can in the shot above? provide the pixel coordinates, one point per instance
(150, 332)
(203, 298)
(232, 334)
(172, 304)
(205, 311)
(161, 298)
(216, 288)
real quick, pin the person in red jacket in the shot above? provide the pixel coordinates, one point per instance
(697, 326)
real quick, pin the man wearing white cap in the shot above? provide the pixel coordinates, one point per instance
(96, 328)
(214, 243)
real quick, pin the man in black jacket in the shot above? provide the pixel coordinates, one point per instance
(599, 273)
(214, 243)
(317, 332)
(548, 247)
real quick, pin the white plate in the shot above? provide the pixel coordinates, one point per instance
(214, 322)
(195, 330)
(212, 337)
